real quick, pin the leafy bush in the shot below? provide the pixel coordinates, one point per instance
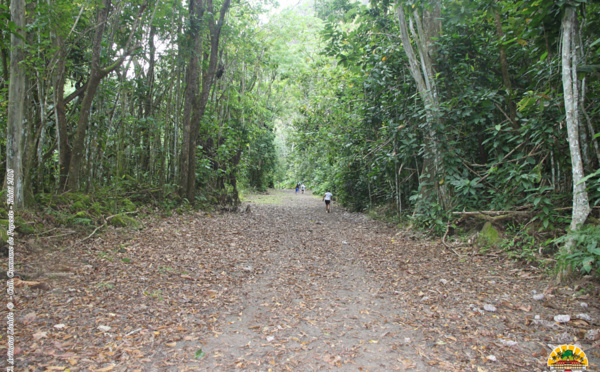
(521, 246)
(431, 216)
(122, 220)
(81, 218)
(585, 252)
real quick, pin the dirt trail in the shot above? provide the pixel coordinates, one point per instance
(312, 304)
(287, 287)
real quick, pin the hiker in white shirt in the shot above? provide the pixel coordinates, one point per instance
(302, 187)
(327, 198)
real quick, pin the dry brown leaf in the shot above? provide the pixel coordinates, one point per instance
(580, 323)
(106, 369)
(39, 334)
(331, 359)
(20, 283)
(304, 282)
(30, 317)
(408, 364)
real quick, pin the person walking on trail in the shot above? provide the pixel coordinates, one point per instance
(297, 187)
(327, 198)
(302, 187)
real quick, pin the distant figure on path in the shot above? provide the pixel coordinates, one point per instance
(297, 187)
(327, 198)
(302, 187)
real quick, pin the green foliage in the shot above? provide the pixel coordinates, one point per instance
(488, 236)
(362, 128)
(25, 227)
(583, 253)
(521, 246)
(593, 184)
(431, 217)
(105, 285)
(199, 354)
(320, 93)
(3, 236)
(261, 161)
(81, 218)
(78, 206)
(77, 209)
(123, 220)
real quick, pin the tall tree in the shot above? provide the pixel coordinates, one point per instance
(195, 105)
(194, 48)
(97, 73)
(16, 103)
(429, 26)
(581, 206)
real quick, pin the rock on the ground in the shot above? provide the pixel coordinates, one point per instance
(563, 318)
(488, 307)
(592, 334)
(508, 343)
(565, 338)
(585, 317)
(545, 323)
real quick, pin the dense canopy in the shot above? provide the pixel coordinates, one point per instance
(421, 110)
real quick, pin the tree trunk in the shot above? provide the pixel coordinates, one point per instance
(31, 135)
(581, 207)
(64, 150)
(149, 104)
(512, 108)
(190, 100)
(208, 77)
(193, 115)
(4, 52)
(16, 105)
(423, 73)
(95, 77)
(90, 92)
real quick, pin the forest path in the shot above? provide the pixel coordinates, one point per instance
(308, 301)
(286, 287)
